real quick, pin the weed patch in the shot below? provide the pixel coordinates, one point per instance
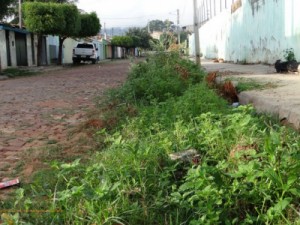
(250, 84)
(246, 172)
(15, 72)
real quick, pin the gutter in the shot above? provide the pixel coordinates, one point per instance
(2, 27)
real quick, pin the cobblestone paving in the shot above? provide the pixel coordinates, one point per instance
(38, 109)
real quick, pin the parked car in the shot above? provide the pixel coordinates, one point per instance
(85, 52)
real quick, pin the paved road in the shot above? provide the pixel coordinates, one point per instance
(282, 101)
(42, 109)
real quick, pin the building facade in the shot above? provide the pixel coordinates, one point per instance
(252, 31)
(18, 47)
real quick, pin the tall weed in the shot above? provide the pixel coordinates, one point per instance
(162, 76)
(247, 170)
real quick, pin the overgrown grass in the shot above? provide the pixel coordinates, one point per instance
(157, 79)
(16, 72)
(247, 172)
(245, 84)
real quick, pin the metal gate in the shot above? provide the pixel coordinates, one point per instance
(8, 48)
(21, 49)
(210, 8)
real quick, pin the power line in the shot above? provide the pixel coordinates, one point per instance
(183, 13)
(131, 18)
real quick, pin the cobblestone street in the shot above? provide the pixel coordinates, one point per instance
(40, 109)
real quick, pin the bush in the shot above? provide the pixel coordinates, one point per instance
(289, 55)
(246, 171)
(162, 76)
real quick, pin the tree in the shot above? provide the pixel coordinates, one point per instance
(54, 1)
(72, 26)
(123, 41)
(169, 26)
(43, 18)
(141, 38)
(167, 39)
(6, 8)
(159, 25)
(13, 6)
(156, 25)
(63, 20)
(90, 25)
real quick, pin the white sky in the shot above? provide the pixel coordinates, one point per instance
(130, 13)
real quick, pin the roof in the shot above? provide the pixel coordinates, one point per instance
(14, 28)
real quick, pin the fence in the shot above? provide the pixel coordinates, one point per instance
(210, 8)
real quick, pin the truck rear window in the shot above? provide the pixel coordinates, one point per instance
(84, 46)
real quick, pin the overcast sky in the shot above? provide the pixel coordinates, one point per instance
(129, 13)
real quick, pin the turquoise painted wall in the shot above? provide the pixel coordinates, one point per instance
(257, 32)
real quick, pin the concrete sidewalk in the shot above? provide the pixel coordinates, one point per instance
(282, 101)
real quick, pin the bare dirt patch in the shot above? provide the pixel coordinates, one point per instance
(39, 115)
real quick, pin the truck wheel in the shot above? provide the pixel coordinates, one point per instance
(94, 61)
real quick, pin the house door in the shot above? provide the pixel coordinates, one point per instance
(8, 48)
(21, 49)
(44, 52)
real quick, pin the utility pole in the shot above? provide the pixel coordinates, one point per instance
(178, 29)
(105, 36)
(20, 14)
(149, 27)
(196, 33)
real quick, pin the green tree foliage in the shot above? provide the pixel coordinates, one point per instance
(44, 18)
(63, 20)
(13, 8)
(183, 36)
(10, 7)
(90, 25)
(140, 36)
(54, 1)
(73, 26)
(159, 25)
(122, 41)
(156, 25)
(167, 39)
(6, 8)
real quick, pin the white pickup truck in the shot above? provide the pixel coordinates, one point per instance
(85, 52)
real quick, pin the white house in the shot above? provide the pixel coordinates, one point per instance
(18, 47)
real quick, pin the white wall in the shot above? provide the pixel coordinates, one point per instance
(258, 32)
(12, 44)
(3, 52)
(68, 46)
(35, 42)
(52, 41)
(29, 49)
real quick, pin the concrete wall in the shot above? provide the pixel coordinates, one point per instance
(35, 42)
(257, 32)
(52, 49)
(3, 51)
(101, 49)
(12, 45)
(108, 52)
(29, 50)
(68, 46)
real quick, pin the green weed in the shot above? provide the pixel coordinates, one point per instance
(161, 77)
(246, 171)
(16, 72)
(252, 85)
(246, 84)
